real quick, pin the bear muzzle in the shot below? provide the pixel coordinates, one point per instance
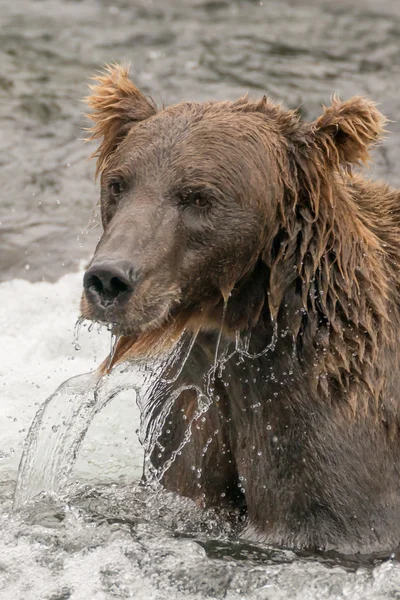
(110, 283)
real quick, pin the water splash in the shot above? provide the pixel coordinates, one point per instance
(184, 348)
(203, 404)
(60, 425)
(113, 346)
(54, 438)
(77, 331)
(243, 344)
(161, 396)
(153, 424)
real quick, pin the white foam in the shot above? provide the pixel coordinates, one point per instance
(36, 355)
(120, 541)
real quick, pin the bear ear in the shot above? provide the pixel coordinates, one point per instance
(116, 104)
(346, 131)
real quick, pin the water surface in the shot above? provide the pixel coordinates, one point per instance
(298, 51)
(103, 536)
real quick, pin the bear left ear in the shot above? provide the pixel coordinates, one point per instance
(116, 104)
(346, 131)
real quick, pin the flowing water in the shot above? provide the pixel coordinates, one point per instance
(94, 533)
(61, 423)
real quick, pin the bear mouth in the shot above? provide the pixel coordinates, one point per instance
(133, 316)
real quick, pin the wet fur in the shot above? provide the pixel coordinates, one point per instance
(305, 438)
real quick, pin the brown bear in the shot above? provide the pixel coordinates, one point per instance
(240, 223)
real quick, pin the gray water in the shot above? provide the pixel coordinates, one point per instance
(298, 51)
(95, 539)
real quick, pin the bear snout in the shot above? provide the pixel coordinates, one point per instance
(110, 284)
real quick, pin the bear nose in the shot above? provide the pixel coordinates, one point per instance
(108, 283)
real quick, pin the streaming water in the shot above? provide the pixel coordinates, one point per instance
(54, 437)
(96, 540)
(89, 540)
(60, 425)
(213, 370)
(243, 344)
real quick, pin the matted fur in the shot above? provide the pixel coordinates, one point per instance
(347, 129)
(323, 269)
(116, 105)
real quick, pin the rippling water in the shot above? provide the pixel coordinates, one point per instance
(105, 537)
(298, 51)
(105, 542)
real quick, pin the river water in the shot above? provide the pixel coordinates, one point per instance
(298, 51)
(105, 537)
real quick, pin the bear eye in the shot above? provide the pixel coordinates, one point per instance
(116, 187)
(195, 198)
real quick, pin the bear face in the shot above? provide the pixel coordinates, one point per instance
(192, 199)
(185, 223)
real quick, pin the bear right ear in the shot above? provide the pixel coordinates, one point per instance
(117, 104)
(346, 131)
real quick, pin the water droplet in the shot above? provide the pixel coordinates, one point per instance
(77, 329)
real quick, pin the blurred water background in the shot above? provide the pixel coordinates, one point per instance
(298, 51)
(105, 537)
